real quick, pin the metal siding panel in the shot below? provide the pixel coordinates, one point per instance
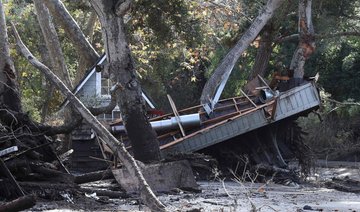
(293, 103)
(228, 128)
(306, 91)
(298, 99)
(279, 108)
(203, 140)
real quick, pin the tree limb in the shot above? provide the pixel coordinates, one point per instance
(295, 37)
(122, 7)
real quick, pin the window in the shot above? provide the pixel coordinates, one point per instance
(105, 117)
(116, 114)
(105, 86)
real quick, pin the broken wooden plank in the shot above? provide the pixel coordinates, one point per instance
(8, 150)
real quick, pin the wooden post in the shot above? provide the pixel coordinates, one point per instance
(243, 93)
(176, 114)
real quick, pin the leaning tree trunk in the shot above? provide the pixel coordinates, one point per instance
(117, 147)
(307, 39)
(227, 64)
(73, 32)
(120, 64)
(9, 94)
(52, 42)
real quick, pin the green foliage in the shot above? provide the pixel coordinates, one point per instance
(338, 130)
(166, 19)
(177, 45)
(339, 67)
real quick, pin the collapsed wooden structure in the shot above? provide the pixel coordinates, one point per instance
(231, 117)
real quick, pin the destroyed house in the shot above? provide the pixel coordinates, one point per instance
(195, 129)
(94, 90)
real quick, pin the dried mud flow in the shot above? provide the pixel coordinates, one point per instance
(228, 196)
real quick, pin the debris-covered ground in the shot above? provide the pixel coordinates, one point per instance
(230, 196)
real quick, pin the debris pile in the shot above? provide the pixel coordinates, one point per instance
(28, 156)
(30, 167)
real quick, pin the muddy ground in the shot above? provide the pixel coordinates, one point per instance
(229, 196)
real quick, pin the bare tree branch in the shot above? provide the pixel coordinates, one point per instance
(295, 37)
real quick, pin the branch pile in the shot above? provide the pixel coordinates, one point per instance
(27, 156)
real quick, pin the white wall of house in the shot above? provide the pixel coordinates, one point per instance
(90, 94)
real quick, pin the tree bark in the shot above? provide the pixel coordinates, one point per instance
(307, 39)
(4, 44)
(121, 68)
(117, 147)
(56, 56)
(263, 53)
(84, 62)
(52, 42)
(227, 64)
(9, 94)
(72, 30)
(262, 58)
(46, 85)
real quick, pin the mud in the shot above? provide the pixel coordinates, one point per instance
(228, 196)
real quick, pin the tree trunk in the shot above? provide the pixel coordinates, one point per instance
(307, 39)
(227, 64)
(120, 64)
(72, 30)
(9, 94)
(84, 62)
(46, 85)
(117, 147)
(4, 45)
(56, 56)
(263, 53)
(52, 42)
(262, 58)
